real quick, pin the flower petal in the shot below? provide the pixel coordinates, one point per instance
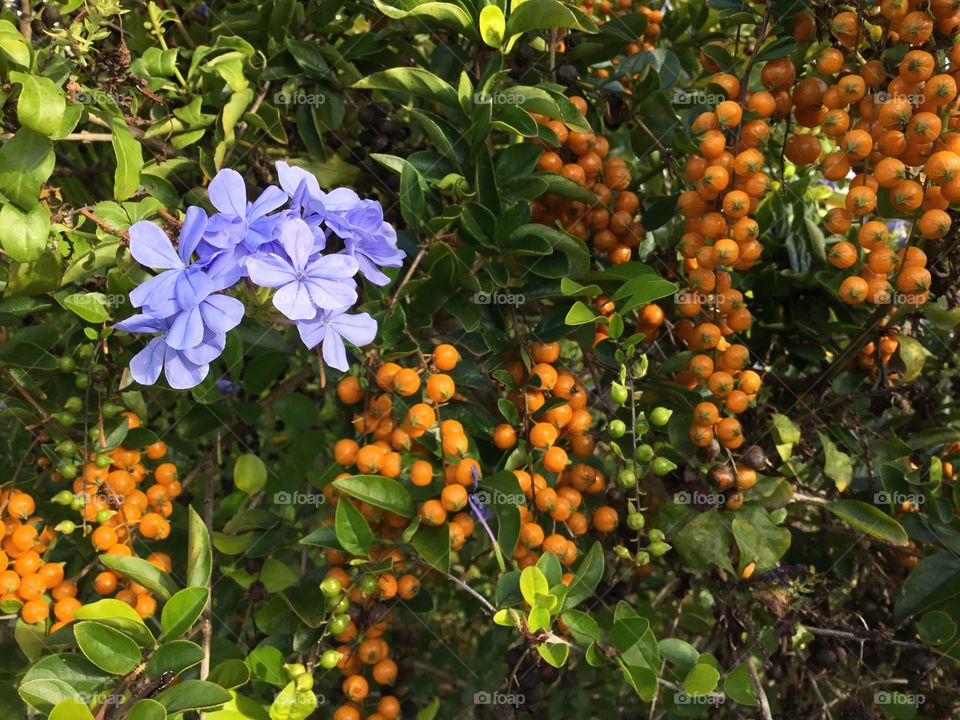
(331, 294)
(146, 364)
(359, 329)
(228, 193)
(270, 199)
(297, 240)
(151, 247)
(157, 293)
(221, 313)
(194, 225)
(186, 330)
(181, 373)
(270, 270)
(334, 352)
(142, 323)
(294, 301)
(333, 267)
(312, 331)
(192, 287)
(290, 177)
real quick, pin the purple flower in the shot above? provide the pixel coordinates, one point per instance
(305, 283)
(217, 314)
(239, 227)
(182, 284)
(183, 368)
(331, 328)
(366, 236)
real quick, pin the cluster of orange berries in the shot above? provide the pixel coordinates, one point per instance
(609, 223)
(394, 423)
(721, 237)
(554, 419)
(112, 509)
(605, 10)
(364, 651)
(886, 346)
(892, 133)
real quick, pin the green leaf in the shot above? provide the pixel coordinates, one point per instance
(936, 628)
(249, 474)
(26, 162)
(532, 583)
(175, 657)
(379, 491)
(913, 355)
(108, 649)
(145, 573)
(583, 626)
(575, 250)
(758, 539)
(579, 314)
(934, 581)
(23, 235)
(786, 433)
(679, 652)
(199, 552)
(181, 611)
(493, 25)
(147, 709)
(412, 202)
(738, 685)
(71, 710)
(433, 544)
(506, 499)
(129, 153)
(555, 654)
(353, 532)
(872, 520)
(231, 673)
(701, 680)
(192, 695)
(41, 104)
(446, 13)
(543, 14)
(838, 466)
(411, 81)
(508, 617)
(276, 575)
(587, 577)
(13, 44)
(91, 307)
(107, 608)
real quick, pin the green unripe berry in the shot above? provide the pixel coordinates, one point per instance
(643, 558)
(68, 470)
(85, 352)
(369, 584)
(110, 410)
(304, 682)
(295, 670)
(618, 394)
(658, 548)
(66, 364)
(626, 478)
(660, 416)
(81, 382)
(77, 503)
(65, 418)
(66, 527)
(93, 433)
(73, 404)
(343, 605)
(656, 535)
(103, 461)
(64, 497)
(339, 623)
(105, 515)
(329, 659)
(644, 453)
(616, 429)
(635, 521)
(661, 466)
(67, 447)
(331, 587)
(621, 552)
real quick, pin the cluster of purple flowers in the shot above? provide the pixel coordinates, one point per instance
(278, 241)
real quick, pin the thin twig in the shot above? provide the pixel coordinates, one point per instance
(758, 689)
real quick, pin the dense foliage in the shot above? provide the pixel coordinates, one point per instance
(391, 358)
